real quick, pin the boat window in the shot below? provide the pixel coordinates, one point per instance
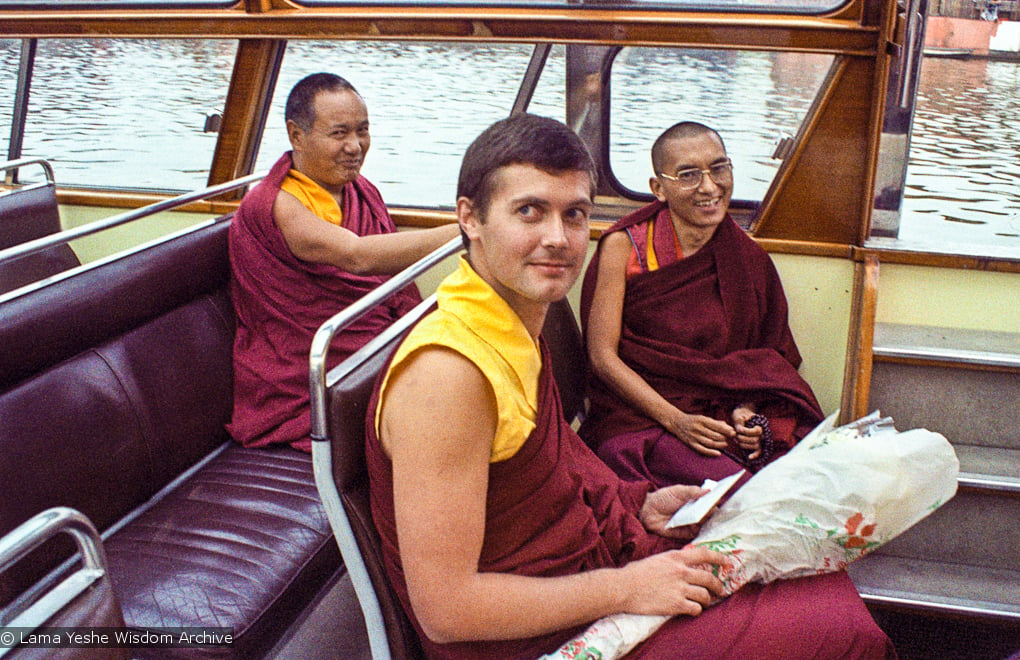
(127, 113)
(962, 179)
(754, 100)
(426, 103)
(764, 6)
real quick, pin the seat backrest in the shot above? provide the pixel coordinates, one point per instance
(113, 382)
(563, 338)
(106, 300)
(347, 406)
(347, 409)
(27, 214)
(84, 600)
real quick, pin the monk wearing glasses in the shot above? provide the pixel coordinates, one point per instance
(693, 368)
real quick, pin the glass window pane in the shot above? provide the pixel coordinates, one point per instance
(127, 112)
(426, 103)
(963, 178)
(551, 93)
(752, 98)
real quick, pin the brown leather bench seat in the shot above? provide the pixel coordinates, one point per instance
(115, 386)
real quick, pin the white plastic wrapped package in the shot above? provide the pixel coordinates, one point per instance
(835, 497)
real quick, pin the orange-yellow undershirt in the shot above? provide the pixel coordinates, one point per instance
(314, 197)
(634, 263)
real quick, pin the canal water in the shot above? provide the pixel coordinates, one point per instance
(133, 112)
(963, 176)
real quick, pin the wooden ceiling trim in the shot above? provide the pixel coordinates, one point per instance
(804, 34)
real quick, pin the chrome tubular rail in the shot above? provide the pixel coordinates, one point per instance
(324, 336)
(22, 162)
(28, 536)
(343, 532)
(910, 66)
(38, 244)
(322, 451)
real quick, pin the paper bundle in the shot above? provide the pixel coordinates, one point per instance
(835, 497)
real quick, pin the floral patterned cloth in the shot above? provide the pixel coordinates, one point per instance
(838, 495)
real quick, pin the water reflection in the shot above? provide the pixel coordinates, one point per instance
(963, 177)
(129, 111)
(426, 103)
(132, 111)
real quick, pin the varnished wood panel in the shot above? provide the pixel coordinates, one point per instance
(248, 98)
(761, 31)
(820, 191)
(857, 372)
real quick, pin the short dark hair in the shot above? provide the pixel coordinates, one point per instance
(524, 139)
(682, 129)
(299, 107)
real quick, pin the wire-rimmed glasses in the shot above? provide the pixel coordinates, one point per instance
(689, 178)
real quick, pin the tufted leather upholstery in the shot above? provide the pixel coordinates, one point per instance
(115, 386)
(241, 543)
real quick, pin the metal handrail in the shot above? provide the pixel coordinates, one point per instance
(29, 247)
(325, 483)
(22, 162)
(30, 534)
(32, 610)
(322, 451)
(911, 51)
(324, 335)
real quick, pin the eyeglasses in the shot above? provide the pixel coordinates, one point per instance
(721, 173)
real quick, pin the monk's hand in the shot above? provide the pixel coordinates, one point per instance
(672, 582)
(661, 504)
(748, 437)
(703, 434)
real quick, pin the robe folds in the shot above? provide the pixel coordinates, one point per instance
(555, 509)
(279, 303)
(707, 332)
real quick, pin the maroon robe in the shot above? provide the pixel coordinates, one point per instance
(280, 301)
(554, 509)
(708, 332)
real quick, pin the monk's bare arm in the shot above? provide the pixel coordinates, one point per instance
(605, 322)
(311, 239)
(439, 439)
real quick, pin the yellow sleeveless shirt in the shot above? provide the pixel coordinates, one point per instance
(475, 321)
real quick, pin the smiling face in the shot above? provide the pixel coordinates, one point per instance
(703, 208)
(531, 244)
(332, 150)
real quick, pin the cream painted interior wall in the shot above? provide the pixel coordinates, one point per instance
(111, 241)
(819, 293)
(949, 298)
